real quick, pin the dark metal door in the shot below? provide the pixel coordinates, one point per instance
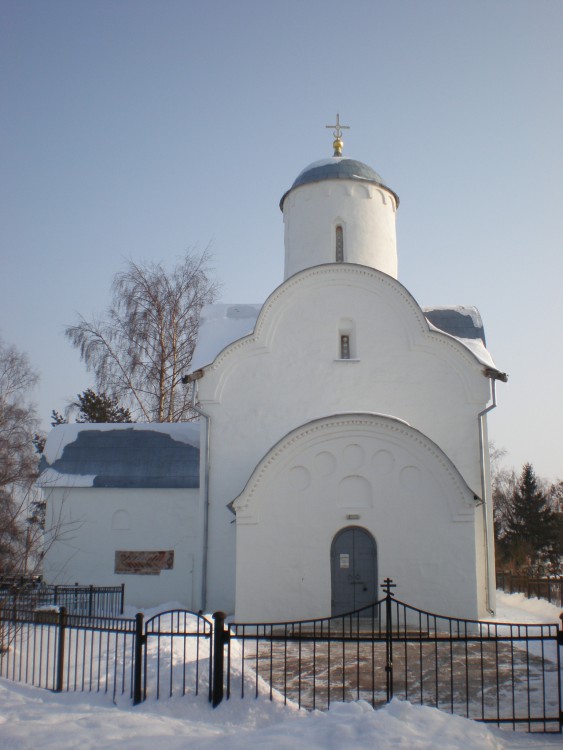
(353, 570)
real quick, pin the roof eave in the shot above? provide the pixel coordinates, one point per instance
(340, 177)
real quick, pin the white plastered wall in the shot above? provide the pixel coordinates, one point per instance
(393, 481)
(365, 212)
(87, 525)
(289, 372)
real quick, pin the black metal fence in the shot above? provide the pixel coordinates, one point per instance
(542, 588)
(168, 654)
(491, 672)
(65, 652)
(92, 601)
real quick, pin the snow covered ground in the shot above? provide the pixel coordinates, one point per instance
(38, 719)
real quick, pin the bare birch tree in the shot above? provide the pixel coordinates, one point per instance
(143, 345)
(18, 462)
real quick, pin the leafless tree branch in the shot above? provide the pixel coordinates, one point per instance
(143, 345)
(18, 460)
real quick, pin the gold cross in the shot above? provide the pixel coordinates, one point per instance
(338, 143)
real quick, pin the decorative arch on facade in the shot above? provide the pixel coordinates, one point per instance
(420, 334)
(367, 448)
(355, 470)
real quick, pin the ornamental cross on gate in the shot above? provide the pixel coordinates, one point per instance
(387, 585)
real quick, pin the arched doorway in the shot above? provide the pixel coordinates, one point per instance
(353, 562)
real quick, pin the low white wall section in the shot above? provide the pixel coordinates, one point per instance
(87, 526)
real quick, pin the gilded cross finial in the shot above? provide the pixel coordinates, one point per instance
(338, 143)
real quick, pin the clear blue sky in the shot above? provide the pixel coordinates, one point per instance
(137, 128)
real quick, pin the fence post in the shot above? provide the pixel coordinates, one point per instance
(220, 638)
(122, 601)
(60, 650)
(138, 659)
(387, 585)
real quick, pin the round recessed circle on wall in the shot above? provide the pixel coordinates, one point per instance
(300, 477)
(354, 456)
(383, 462)
(325, 463)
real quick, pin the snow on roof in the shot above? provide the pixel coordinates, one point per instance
(219, 326)
(222, 324)
(122, 455)
(463, 323)
(477, 348)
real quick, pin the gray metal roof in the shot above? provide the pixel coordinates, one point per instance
(338, 168)
(463, 322)
(133, 457)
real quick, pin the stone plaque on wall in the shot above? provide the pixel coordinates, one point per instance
(141, 563)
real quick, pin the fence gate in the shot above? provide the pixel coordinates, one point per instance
(178, 655)
(505, 674)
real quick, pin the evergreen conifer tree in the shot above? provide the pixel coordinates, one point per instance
(531, 530)
(99, 407)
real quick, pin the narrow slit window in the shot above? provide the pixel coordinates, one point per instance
(339, 245)
(345, 346)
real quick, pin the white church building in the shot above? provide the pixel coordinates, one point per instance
(342, 440)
